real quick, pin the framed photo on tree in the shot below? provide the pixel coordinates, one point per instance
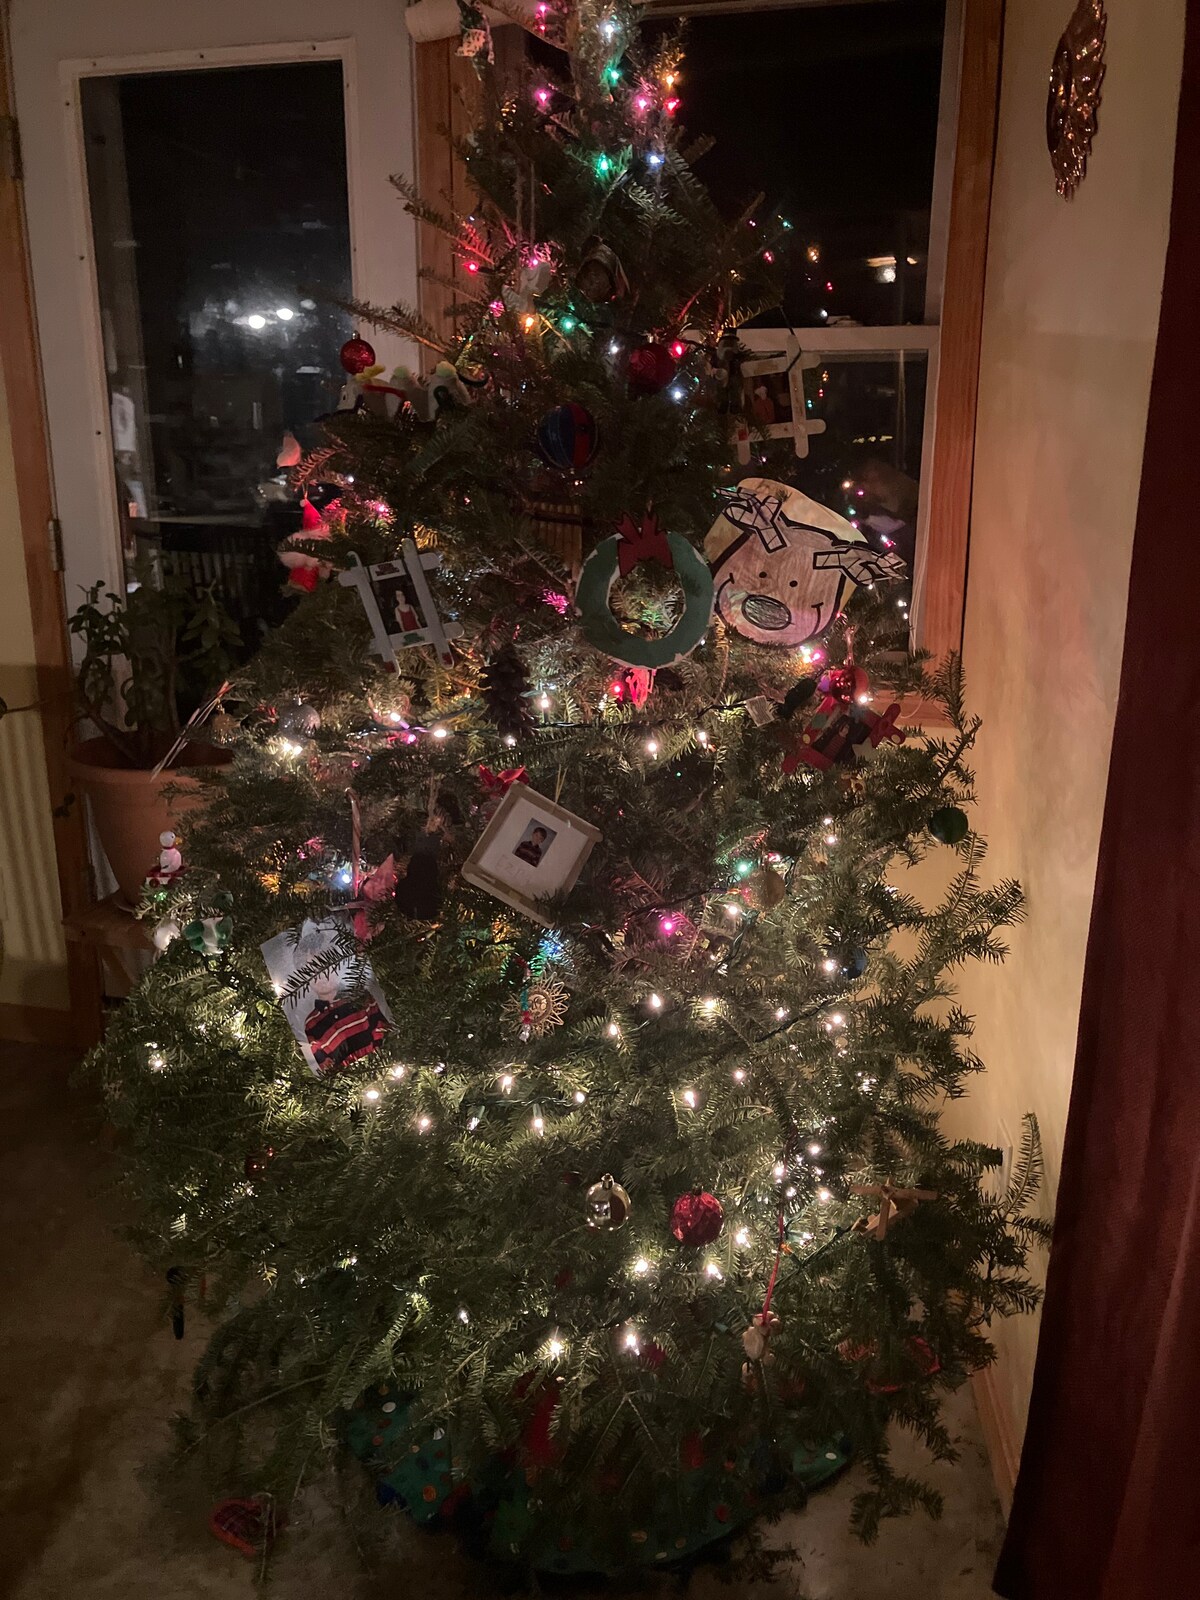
(399, 605)
(329, 995)
(532, 850)
(773, 400)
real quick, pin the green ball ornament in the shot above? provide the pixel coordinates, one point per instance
(949, 825)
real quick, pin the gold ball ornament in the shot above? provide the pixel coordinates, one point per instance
(391, 703)
(223, 729)
(608, 1205)
(764, 889)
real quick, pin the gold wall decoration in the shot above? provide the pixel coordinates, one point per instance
(1074, 98)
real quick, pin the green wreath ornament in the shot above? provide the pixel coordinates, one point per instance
(616, 556)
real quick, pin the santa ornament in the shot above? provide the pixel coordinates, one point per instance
(843, 733)
(784, 567)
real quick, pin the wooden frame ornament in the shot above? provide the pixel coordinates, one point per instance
(498, 865)
(789, 364)
(416, 614)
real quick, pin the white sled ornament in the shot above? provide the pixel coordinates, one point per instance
(784, 566)
(399, 606)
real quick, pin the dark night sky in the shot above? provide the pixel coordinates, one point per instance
(832, 111)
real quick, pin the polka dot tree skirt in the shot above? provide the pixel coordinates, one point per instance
(703, 1503)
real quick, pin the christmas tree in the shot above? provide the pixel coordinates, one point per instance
(538, 1089)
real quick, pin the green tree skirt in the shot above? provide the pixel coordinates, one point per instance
(696, 1509)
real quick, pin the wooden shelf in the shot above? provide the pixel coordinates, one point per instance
(121, 942)
(109, 923)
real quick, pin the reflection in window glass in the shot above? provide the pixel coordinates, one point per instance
(831, 111)
(866, 464)
(221, 234)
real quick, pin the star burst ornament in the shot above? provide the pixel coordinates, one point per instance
(540, 1006)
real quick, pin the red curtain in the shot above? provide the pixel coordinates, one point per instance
(1107, 1503)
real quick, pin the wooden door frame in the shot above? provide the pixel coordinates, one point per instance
(20, 369)
(943, 560)
(445, 85)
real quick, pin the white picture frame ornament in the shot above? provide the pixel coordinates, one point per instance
(347, 991)
(494, 864)
(408, 569)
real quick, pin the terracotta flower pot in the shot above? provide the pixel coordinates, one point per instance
(130, 808)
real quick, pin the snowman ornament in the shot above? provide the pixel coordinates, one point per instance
(170, 861)
(784, 566)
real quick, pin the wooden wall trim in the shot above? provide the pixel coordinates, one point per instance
(446, 87)
(20, 369)
(999, 1434)
(39, 1025)
(943, 592)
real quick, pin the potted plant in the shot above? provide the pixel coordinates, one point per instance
(143, 652)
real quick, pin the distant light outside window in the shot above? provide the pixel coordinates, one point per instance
(831, 111)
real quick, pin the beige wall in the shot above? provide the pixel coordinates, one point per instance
(33, 966)
(1071, 316)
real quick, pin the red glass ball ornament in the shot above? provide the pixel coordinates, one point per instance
(356, 355)
(257, 1161)
(696, 1218)
(844, 684)
(651, 368)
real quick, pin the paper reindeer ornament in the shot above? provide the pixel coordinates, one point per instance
(784, 566)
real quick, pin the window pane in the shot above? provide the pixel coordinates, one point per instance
(221, 230)
(831, 111)
(866, 465)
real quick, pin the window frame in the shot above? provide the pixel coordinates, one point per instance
(950, 334)
(967, 104)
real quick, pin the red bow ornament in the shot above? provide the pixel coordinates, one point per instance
(375, 888)
(644, 542)
(496, 785)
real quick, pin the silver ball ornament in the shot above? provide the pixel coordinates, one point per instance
(300, 720)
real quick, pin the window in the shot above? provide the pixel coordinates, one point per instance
(875, 121)
(221, 239)
(841, 114)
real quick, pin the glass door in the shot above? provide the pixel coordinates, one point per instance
(220, 228)
(203, 184)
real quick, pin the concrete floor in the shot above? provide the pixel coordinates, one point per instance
(89, 1376)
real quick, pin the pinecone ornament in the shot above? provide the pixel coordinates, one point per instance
(505, 687)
